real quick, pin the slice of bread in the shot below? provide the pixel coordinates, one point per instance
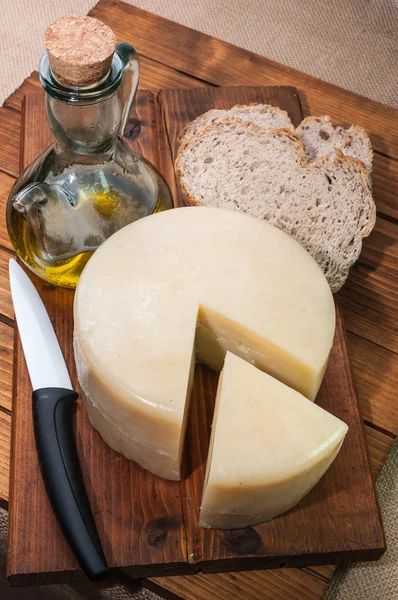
(320, 138)
(262, 115)
(326, 205)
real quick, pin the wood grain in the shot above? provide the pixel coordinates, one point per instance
(163, 515)
(344, 108)
(6, 183)
(333, 496)
(180, 106)
(263, 584)
(142, 130)
(375, 371)
(153, 77)
(6, 308)
(367, 391)
(380, 249)
(385, 184)
(223, 64)
(30, 85)
(369, 300)
(6, 360)
(39, 135)
(379, 447)
(138, 516)
(10, 126)
(5, 435)
(291, 584)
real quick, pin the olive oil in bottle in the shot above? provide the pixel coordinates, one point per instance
(88, 184)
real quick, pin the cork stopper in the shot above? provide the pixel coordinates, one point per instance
(80, 50)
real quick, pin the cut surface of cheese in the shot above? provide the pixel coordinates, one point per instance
(269, 446)
(185, 282)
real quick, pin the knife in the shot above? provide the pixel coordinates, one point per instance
(53, 401)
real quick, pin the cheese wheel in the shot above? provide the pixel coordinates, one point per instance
(188, 279)
(269, 446)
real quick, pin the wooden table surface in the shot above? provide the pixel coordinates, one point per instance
(175, 56)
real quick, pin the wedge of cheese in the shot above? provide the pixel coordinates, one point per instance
(183, 282)
(269, 446)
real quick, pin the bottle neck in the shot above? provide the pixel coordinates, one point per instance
(84, 119)
(85, 128)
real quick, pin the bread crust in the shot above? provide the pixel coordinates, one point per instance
(236, 106)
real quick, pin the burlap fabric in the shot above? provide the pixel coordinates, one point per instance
(351, 43)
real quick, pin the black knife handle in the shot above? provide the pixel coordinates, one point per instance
(53, 410)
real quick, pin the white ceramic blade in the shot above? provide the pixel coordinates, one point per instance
(44, 358)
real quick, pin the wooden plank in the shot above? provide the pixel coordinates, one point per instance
(10, 125)
(30, 85)
(380, 249)
(153, 77)
(223, 64)
(369, 300)
(385, 182)
(375, 371)
(6, 360)
(6, 308)
(6, 183)
(180, 107)
(123, 497)
(5, 435)
(40, 136)
(117, 491)
(138, 516)
(393, 207)
(379, 443)
(325, 571)
(379, 446)
(262, 584)
(202, 99)
(142, 130)
(207, 545)
(292, 584)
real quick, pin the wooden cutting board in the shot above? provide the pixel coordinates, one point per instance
(149, 526)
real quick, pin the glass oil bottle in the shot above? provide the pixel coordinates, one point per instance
(88, 184)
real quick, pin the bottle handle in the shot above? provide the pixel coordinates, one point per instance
(131, 75)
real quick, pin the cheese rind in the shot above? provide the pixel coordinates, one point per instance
(232, 280)
(269, 446)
